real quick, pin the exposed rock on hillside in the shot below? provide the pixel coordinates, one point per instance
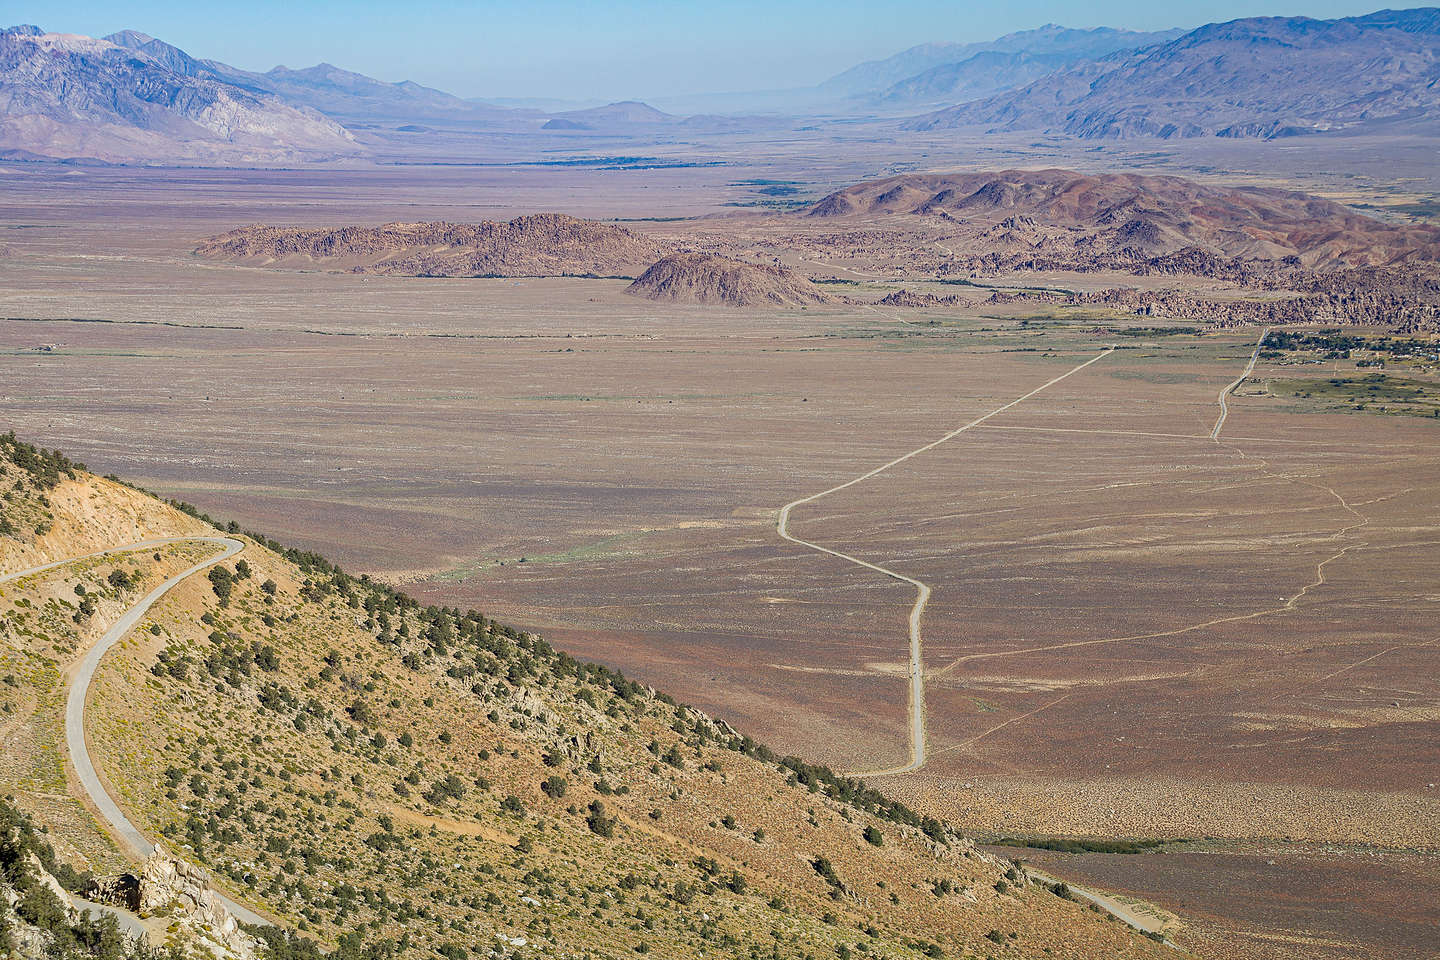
(1401, 311)
(1059, 219)
(710, 278)
(171, 887)
(909, 298)
(539, 245)
(1258, 77)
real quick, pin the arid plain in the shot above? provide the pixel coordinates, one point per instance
(1137, 629)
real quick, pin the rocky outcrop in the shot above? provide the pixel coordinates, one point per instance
(1063, 220)
(1397, 311)
(538, 245)
(172, 887)
(908, 298)
(709, 278)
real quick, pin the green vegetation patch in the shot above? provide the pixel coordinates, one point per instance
(1158, 332)
(1069, 845)
(1375, 392)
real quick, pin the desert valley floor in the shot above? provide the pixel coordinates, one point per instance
(1141, 626)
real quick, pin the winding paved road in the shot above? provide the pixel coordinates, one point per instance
(922, 589)
(84, 674)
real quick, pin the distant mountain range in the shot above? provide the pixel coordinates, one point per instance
(132, 98)
(329, 89)
(964, 71)
(1258, 77)
(70, 96)
(624, 113)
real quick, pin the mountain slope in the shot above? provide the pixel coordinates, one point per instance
(1061, 216)
(713, 279)
(1063, 44)
(409, 781)
(1260, 77)
(64, 95)
(979, 76)
(324, 87)
(539, 245)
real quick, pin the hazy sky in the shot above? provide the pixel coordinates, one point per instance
(624, 48)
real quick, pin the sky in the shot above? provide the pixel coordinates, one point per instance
(614, 50)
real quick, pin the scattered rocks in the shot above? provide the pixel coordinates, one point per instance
(907, 298)
(540, 245)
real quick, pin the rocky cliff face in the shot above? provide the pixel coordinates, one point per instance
(40, 918)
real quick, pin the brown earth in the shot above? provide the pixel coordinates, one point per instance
(712, 279)
(1273, 901)
(634, 453)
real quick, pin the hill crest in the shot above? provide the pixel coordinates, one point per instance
(1061, 213)
(708, 278)
(536, 245)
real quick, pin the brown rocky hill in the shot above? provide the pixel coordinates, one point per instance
(711, 278)
(538, 245)
(1060, 215)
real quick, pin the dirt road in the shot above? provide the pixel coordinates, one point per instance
(922, 589)
(1231, 387)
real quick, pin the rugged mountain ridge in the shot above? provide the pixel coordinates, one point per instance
(1051, 42)
(1060, 216)
(324, 87)
(538, 245)
(63, 95)
(1257, 77)
(709, 278)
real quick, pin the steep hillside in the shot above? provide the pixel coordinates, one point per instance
(1062, 217)
(539, 245)
(713, 279)
(980, 76)
(71, 96)
(408, 781)
(1259, 77)
(1051, 42)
